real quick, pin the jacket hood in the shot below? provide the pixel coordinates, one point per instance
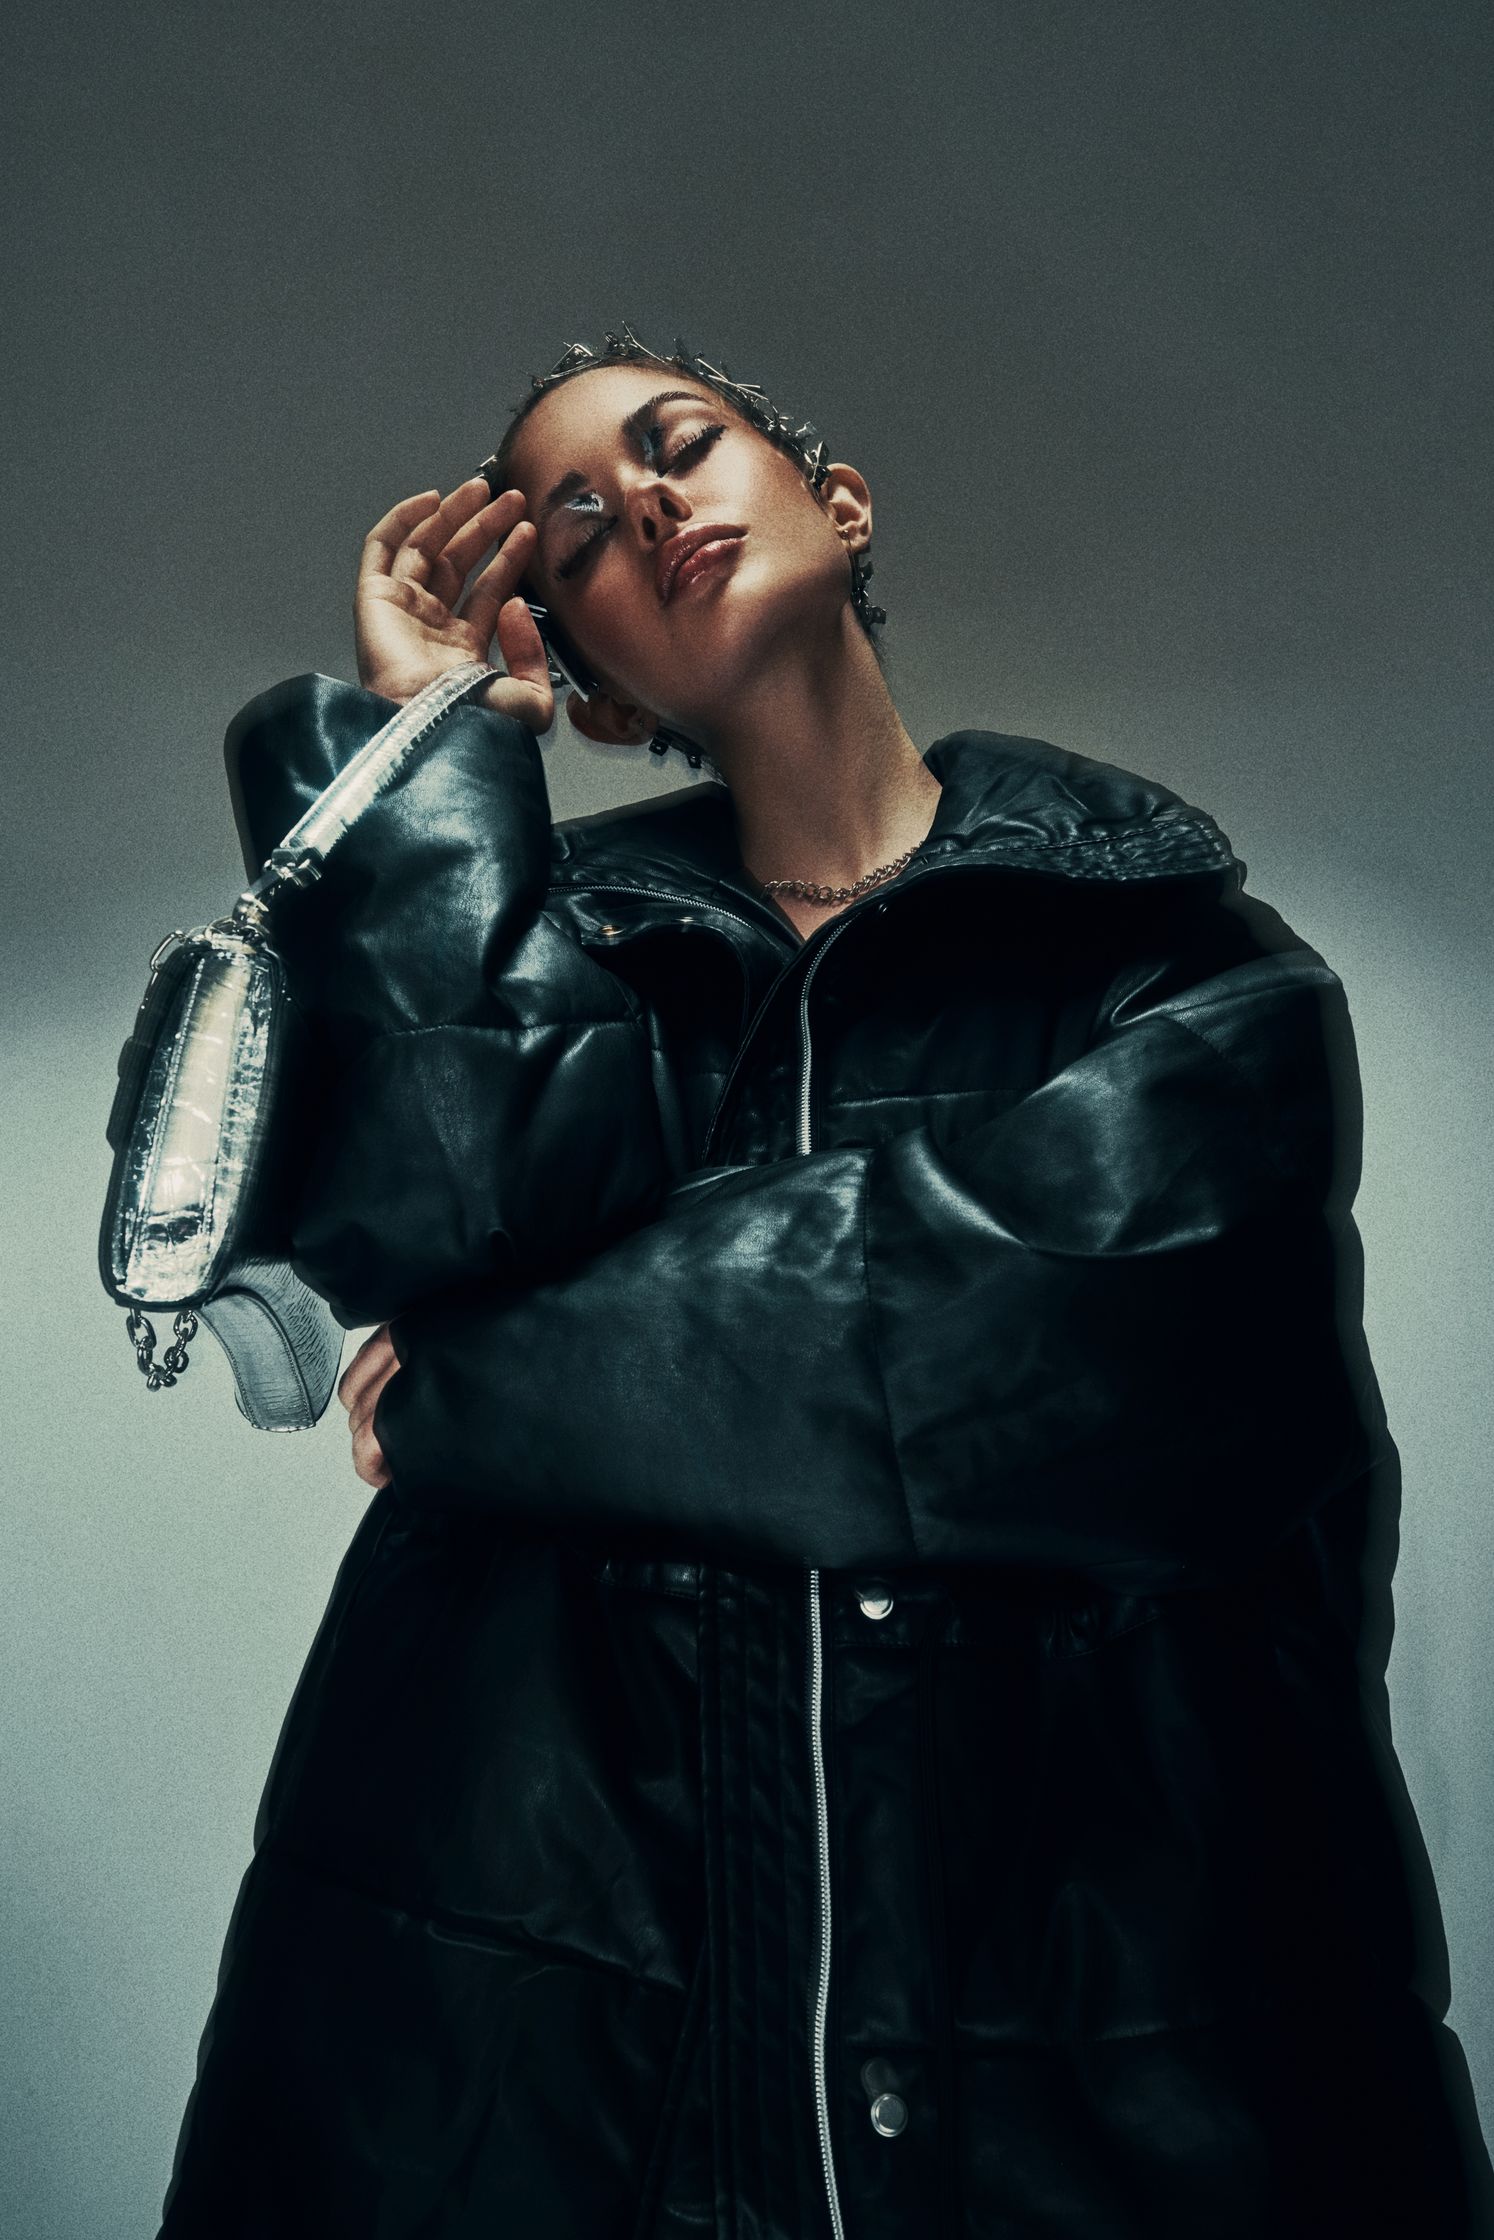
(1004, 798)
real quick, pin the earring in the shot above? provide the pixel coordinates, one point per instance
(861, 570)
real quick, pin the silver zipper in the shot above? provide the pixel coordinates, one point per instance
(815, 962)
(816, 1735)
(867, 905)
(821, 2002)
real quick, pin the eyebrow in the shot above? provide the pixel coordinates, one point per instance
(630, 430)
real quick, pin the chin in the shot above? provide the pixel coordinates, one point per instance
(760, 618)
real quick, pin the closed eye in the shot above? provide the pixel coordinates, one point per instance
(694, 447)
(682, 458)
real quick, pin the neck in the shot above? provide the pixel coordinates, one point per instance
(826, 782)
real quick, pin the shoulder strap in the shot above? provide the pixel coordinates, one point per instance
(301, 854)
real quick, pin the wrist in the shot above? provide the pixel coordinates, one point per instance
(400, 685)
(396, 690)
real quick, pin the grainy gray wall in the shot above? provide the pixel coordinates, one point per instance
(1156, 330)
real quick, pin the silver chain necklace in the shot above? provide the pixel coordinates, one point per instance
(808, 891)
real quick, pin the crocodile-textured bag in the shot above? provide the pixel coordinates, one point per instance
(196, 1218)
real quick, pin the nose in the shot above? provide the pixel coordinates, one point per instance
(654, 509)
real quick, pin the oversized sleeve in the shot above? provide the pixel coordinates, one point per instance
(1115, 1330)
(478, 1098)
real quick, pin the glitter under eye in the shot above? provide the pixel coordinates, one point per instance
(588, 501)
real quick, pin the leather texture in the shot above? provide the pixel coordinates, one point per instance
(283, 1346)
(204, 1133)
(887, 1470)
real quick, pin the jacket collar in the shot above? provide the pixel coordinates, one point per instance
(1005, 800)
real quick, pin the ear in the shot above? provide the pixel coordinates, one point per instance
(847, 500)
(611, 723)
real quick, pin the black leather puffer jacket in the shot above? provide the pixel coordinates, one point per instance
(862, 1711)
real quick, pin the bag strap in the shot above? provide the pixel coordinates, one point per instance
(299, 858)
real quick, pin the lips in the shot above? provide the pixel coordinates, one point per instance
(677, 550)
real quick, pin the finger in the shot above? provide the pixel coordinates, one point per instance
(363, 1415)
(449, 568)
(368, 1459)
(418, 600)
(467, 546)
(369, 1362)
(499, 580)
(356, 1399)
(361, 1423)
(387, 535)
(427, 539)
(529, 704)
(526, 692)
(523, 649)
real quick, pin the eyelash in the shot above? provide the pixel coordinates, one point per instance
(697, 443)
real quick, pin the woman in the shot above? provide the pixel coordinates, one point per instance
(857, 1706)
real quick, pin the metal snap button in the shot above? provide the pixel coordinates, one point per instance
(889, 2114)
(875, 1600)
(609, 929)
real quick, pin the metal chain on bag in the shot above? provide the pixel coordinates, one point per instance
(173, 1362)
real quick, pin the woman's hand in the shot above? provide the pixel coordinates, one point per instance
(410, 578)
(358, 1389)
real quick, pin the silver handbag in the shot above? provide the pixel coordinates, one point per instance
(196, 1219)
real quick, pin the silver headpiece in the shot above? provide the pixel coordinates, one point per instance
(802, 442)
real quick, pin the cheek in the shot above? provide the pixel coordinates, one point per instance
(621, 638)
(795, 525)
(802, 551)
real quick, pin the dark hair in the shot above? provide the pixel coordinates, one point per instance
(749, 404)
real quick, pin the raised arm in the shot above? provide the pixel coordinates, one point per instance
(481, 1100)
(1115, 1329)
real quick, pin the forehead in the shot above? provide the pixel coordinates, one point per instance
(583, 416)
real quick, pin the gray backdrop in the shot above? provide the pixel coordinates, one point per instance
(1156, 331)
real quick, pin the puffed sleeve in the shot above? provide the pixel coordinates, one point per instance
(479, 1098)
(1116, 1329)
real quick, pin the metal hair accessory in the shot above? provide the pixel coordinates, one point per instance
(801, 441)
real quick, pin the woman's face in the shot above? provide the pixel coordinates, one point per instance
(618, 464)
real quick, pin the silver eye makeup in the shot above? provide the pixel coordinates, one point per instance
(683, 456)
